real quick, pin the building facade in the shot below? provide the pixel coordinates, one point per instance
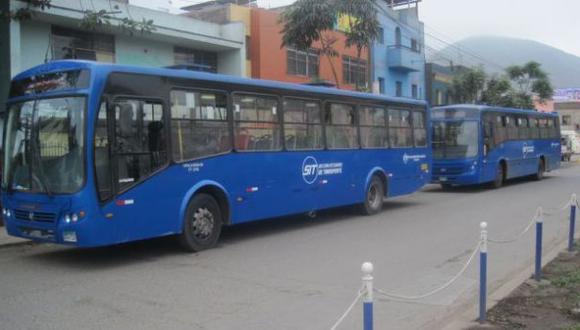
(273, 62)
(398, 56)
(569, 113)
(438, 81)
(56, 33)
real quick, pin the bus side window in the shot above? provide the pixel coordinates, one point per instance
(400, 132)
(199, 124)
(373, 127)
(256, 125)
(102, 155)
(302, 124)
(419, 129)
(340, 126)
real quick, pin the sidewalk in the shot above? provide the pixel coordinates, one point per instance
(6, 240)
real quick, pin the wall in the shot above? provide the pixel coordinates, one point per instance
(411, 28)
(269, 59)
(4, 54)
(138, 51)
(34, 44)
(243, 15)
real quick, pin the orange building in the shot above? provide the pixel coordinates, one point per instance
(270, 61)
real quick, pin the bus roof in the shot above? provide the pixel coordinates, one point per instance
(483, 108)
(105, 68)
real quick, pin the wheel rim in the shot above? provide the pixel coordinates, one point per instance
(374, 197)
(202, 223)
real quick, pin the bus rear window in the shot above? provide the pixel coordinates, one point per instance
(47, 82)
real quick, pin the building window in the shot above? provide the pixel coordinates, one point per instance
(438, 97)
(414, 91)
(399, 88)
(196, 60)
(302, 63)
(398, 36)
(382, 85)
(248, 48)
(566, 120)
(415, 45)
(354, 71)
(74, 44)
(381, 36)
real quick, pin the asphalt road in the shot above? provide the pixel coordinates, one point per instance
(292, 273)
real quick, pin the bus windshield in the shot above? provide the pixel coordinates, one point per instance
(455, 139)
(44, 146)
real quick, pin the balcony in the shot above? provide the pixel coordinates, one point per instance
(404, 59)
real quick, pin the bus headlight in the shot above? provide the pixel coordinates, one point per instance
(67, 218)
(8, 213)
(75, 217)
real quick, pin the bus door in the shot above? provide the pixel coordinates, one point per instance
(139, 149)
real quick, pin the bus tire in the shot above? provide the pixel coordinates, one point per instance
(374, 197)
(202, 223)
(499, 179)
(541, 170)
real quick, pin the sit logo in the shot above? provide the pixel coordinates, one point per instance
(309, 169)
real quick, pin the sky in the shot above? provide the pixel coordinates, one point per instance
(553, 22)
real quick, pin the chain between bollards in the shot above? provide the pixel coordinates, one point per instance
(539, 232)
(483, 273)
(367, 279)
(573, 204)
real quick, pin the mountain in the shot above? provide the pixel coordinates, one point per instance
(564, 68)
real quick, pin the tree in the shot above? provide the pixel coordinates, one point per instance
(309, 21)
(468, 87)
(529, 80)
(498, 91)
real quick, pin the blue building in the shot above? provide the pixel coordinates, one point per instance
(398, 56)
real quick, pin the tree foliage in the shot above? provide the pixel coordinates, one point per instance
(92, 19)
(468, 86)
(529, 80)
(516, 88)
(309, 21)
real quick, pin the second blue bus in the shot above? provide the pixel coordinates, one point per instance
(482, 144)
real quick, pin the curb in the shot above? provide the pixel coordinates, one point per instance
(465, 318)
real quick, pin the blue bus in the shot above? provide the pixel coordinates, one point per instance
(481, 144)
(98, 154)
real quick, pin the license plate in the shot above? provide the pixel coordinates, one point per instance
(442, 179)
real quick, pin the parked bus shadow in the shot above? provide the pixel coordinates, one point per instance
(482, 188)
(151, 250)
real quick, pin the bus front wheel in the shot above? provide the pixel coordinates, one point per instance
(374, 197)
(202, 224)
(499, 177)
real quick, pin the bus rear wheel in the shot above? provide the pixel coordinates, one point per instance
(374, 197)
(541, 170)
(202, 224)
